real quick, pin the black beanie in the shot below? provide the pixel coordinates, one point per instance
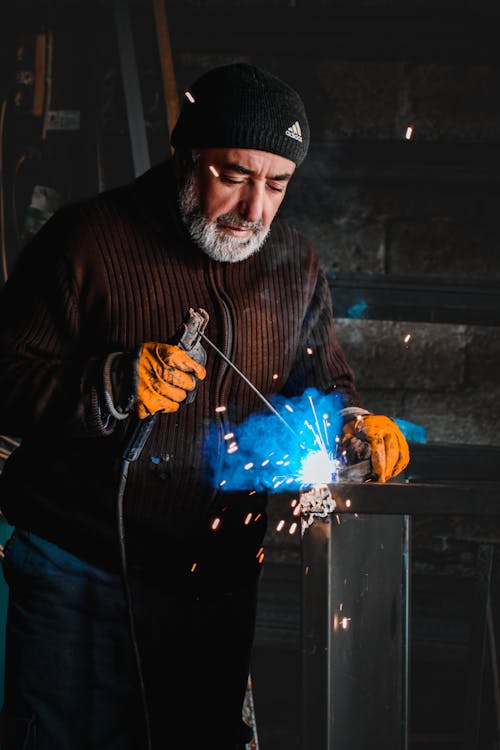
(241, 106)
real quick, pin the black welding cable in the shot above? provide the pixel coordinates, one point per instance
(128, 596)
(137, 440)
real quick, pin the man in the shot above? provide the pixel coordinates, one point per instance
(86, 352)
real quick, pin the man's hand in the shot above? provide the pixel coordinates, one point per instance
(166, 373)
(379, 438)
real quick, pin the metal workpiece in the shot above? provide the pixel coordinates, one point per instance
(355, 600)
(354, 633)
(398, 498)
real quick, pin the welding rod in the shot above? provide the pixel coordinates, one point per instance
(250, 384)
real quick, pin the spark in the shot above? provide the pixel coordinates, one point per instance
(310, 427)
(280, 525)
(407, 338)
(293, 528)
(275, 376)
(345, 622)
(189, 96)
(193, 567)
(296, 510)
(253, 492)
(248, 518)
(213, 170)
(318, 467)
(293, 502)
(323, 446)
(409, 132)
(309, 350)
(247, 381)
(326, 425)
(215, 523)
(261, 557)
(220, 409)
(348, 503)
(318, 460)
(221, 484)
(259, 551)
(306, 571)
(257, 516)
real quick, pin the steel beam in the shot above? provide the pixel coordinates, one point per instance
(355, 610)
(451, 498)
(131, 87)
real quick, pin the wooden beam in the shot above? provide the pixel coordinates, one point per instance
(167, 65)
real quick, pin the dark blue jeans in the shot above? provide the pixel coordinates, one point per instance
(71, 679)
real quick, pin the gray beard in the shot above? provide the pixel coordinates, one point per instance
(204, 233)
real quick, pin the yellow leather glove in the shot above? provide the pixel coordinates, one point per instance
(166, 373)
(379, 438)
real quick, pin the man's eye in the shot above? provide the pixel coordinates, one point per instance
(230, 180)
(276, 188)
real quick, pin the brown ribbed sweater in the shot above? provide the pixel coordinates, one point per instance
(104, 276)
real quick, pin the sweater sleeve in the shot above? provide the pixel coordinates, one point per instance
(320, 361)
(46, 382)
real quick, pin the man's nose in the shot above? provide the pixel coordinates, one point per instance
(251, 204)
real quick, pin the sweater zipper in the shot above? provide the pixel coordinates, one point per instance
(222, 421)
(229, 339)
(228, 347)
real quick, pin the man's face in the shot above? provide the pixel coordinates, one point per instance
(231, 198)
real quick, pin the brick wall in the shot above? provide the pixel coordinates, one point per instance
(373, 202)
(423, 209)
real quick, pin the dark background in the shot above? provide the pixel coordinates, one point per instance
(407, 229)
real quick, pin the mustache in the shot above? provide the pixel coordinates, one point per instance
(233, 220)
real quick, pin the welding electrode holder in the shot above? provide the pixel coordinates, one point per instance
(188, 338)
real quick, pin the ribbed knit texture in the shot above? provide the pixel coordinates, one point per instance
(106, 276)
(242, 106)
